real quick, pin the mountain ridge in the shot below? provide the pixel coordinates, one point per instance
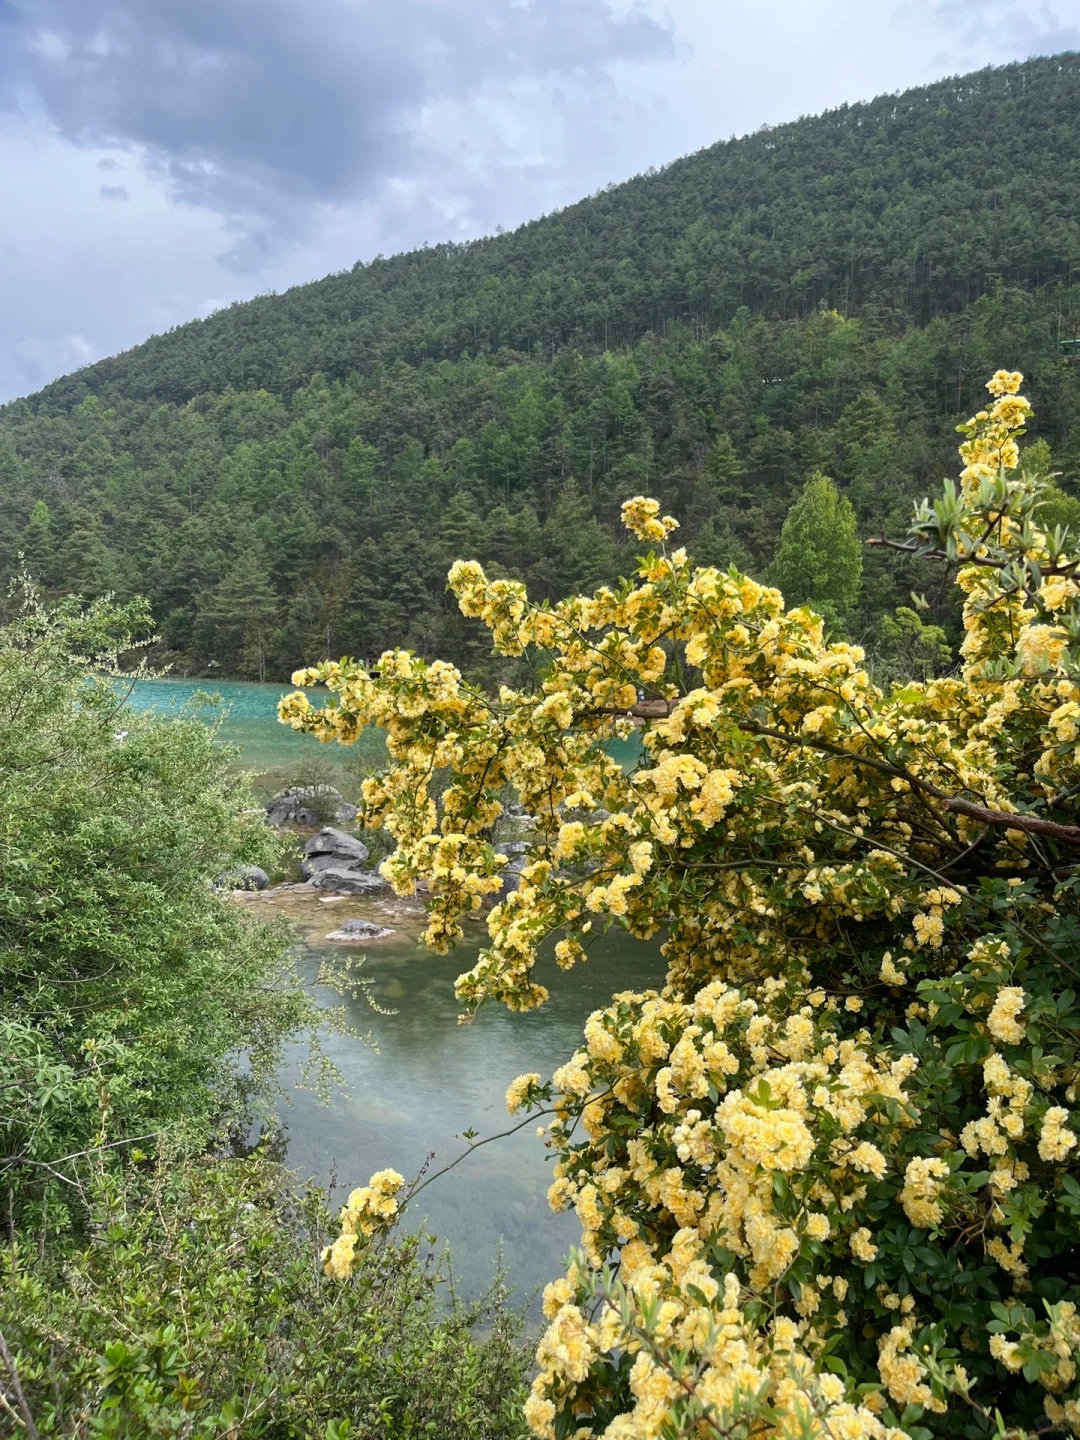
(893, 115)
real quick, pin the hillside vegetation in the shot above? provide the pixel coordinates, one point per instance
(292, 477)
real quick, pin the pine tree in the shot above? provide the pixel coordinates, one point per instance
(237, 618)
(819, 559)
(38, 544)
(578, 552)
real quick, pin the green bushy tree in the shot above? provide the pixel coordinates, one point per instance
(819, 559)
(152, 1284)
(237, 619)
(908, 648)
(130, 986)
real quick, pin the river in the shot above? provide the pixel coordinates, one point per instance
(415, 1080)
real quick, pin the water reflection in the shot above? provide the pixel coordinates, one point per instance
(432, 1079)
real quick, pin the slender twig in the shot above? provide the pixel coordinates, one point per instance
(1053, 801)
(5, 1405)
(529, 1120)
(965, 853)
(747, 864)
(20, 1398)
(77, 1155)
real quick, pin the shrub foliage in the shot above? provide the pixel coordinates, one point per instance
(142, 1013)
(200, 1310)
(130, 985)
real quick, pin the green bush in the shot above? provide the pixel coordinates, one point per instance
(137, 1001)
(200, 1309)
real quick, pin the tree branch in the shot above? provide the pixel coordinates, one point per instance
(1070, 834)
(929, 553)
(20, 1398)
(1003, 819)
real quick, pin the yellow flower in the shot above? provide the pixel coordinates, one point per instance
(1005, 382)
(862, 1247)
(1058, 591)
(929, 930)
(568, 952)
(1040, 648)
(1002, 1022)
(817, 1226)
(639, 515)
(890, 972)
(920, 1195)
(1055, 1141)
(519, 1090)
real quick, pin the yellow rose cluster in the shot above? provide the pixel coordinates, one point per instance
(747, 1122)
(834, 1151)
(369, 1209)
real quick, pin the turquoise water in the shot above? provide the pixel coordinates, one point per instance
(415, 1080)
(246, 715)
(408, 1102)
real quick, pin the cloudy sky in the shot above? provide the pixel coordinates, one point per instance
(161, 158)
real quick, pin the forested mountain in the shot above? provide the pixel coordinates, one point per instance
(292, 477)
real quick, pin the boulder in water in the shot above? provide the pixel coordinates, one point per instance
(354, 930)
(332, 847)
(348, 880)
(517, 851)
(244, 877)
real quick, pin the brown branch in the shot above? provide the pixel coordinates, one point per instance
(20, 1398)
(931, 554)
(1032, 824)
(1070, 834)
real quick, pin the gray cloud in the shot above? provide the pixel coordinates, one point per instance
(114, 192)
(1029, 27)
(256, 107)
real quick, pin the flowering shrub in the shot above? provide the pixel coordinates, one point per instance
(827, 1176)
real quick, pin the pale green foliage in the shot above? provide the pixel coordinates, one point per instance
(130, 985)
(1059, 510)
(908, 648)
